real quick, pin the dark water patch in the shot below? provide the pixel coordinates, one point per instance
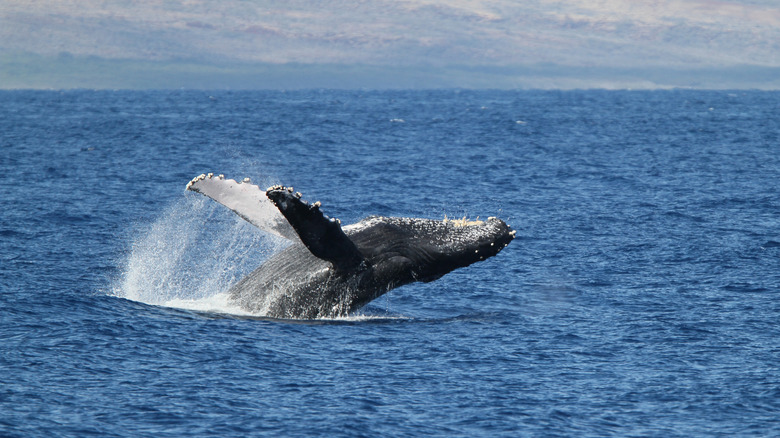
(745, 288)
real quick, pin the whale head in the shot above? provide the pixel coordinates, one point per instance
(444, 246)
(427, 249)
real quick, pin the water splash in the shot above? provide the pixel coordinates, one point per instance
(189, 257)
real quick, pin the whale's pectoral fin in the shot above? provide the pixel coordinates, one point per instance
(246, 200)
(322, 235)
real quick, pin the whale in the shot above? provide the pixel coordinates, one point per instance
(329, 270)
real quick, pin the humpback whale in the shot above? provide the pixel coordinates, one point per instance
(329, 270)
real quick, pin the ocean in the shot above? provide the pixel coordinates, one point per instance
(641, 296)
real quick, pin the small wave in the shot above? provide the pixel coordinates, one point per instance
(745, 287)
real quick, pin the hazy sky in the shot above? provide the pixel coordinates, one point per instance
(502, 33)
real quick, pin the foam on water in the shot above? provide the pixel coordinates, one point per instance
(358, 317)
(218, 303)
(189, 257)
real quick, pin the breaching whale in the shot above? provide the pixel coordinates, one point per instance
(330, 270)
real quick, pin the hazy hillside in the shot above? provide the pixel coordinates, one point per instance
(429, 40)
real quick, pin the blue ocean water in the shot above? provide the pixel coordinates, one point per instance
(640, 297)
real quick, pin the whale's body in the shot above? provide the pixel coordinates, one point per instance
(330, 271)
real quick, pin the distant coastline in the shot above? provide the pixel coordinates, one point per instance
(66, 71)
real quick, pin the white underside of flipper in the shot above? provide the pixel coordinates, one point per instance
(246, 200)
